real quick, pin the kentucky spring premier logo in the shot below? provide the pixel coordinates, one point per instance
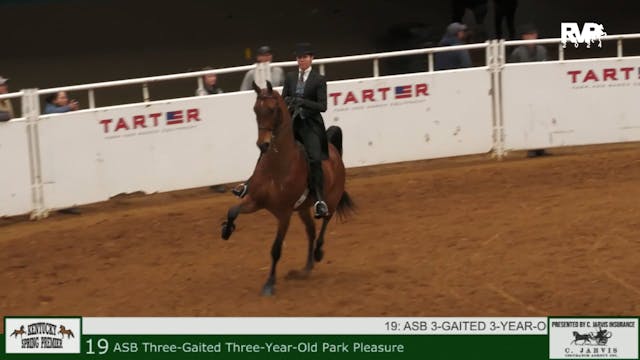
(48, 335)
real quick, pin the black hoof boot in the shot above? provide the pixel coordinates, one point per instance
(268, 290)
(318, 254)
(321, 210)
(227, 230)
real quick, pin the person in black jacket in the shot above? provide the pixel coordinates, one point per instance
(305, 92)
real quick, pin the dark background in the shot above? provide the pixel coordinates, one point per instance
(49, 43)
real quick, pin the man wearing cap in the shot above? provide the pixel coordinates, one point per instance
(264, 55)
(6, 109)
(455, 35)
(305, 92)
(530, 52)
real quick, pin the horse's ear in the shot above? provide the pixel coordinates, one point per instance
(269, 87)
(256, 88)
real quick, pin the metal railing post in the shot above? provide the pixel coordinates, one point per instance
(145, 92)
(31, 111)
(430, 61)
(619, 43)
(92, 99)
(495, 66)
(322, 69)
(560, 52)
(200, 84)
(376, 67)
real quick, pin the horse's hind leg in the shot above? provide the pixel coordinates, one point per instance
(246, 206)
(319, 253)
(276, 250)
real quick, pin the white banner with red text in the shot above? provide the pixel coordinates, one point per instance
(412, 117)
(570, 103)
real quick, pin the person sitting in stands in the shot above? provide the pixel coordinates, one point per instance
(59, 103)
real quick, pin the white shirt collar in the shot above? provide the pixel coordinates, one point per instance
(306, 73)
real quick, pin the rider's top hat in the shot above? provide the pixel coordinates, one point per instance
(303, 49)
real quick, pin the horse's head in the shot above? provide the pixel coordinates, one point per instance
(270, 111)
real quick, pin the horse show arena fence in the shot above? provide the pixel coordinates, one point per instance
(57, 161)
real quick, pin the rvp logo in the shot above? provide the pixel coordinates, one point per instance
(591, 32)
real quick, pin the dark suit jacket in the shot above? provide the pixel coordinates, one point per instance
(315, 93)
(314, 102)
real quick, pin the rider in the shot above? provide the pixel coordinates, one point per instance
(305, 91)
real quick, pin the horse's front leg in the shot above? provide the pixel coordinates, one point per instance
(310, 227)
(247, 205)
(276, 250)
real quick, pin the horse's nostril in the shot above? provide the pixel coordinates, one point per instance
(263, 147)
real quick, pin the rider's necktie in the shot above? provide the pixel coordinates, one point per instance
(300, 85)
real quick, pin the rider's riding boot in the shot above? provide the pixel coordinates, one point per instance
(320, 207)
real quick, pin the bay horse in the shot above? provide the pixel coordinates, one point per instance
(280, 181)
(18, 332)
(64, 331)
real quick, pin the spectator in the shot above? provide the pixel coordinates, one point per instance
(455, 35)
(264, 55)
(529, 53)
(210, 84)
(505, 9)
(6, 109)
(59, 103)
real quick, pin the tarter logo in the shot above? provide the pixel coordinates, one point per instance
(606, 74)
(150, 120)
(591, 32)
(379, 94)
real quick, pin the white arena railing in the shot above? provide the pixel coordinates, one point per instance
(145, 81)
(90, 155)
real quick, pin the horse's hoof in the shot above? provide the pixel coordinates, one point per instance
(227, 230)
(298, 274)
(268, 290)
(318, 254)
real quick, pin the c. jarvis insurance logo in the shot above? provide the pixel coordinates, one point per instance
(42, 336)
(593, 338)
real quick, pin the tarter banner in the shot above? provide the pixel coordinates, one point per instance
(412, 117)
(576, 102)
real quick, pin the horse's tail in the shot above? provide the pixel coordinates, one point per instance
(334, 136)
(346, 206)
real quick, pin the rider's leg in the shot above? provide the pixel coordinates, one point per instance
(314, 152)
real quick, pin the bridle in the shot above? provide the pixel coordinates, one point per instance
(274, 129)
